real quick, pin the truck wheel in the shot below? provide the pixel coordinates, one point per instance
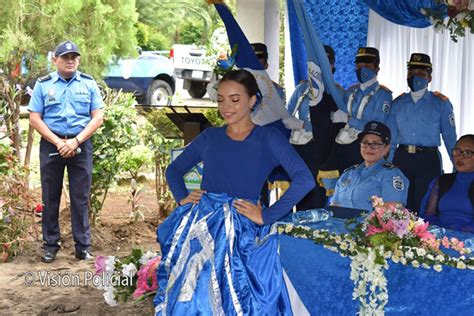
(159, 93)
(197, 90)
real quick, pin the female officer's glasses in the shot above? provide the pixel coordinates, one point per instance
(464, 153)
(366, 144)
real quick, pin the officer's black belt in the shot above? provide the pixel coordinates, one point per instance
(65, 136)
(412, 149)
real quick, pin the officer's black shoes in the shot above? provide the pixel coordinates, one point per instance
(84, 255)
(48, 256)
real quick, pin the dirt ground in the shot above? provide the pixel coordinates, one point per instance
(113, 236)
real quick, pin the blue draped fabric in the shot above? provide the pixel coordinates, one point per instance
(322, 280)
(405, 12)
(340, 24)
(298, 50)
(217, 262)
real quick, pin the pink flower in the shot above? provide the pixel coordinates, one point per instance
(432, 243)
(38, 208)
(147, 281)
(445, 242)
(421, 231)
(372, 230)
(100, 264)
(400, 227)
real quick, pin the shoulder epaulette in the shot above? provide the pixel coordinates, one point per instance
(86, 76)
(440, 95)
(351, 168)
(385, 88)
(45, 78)
(389, 166)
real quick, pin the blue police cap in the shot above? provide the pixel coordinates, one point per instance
(377, 128)
(66, 47)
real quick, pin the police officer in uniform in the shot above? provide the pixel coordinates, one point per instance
(363, 102)
(418, 118)
(374, 176)
(66, 109)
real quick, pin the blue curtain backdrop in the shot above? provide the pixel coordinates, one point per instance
(405, 12)
(342, 24)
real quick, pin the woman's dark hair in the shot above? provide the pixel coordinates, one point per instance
(246, 79)
(469, 137)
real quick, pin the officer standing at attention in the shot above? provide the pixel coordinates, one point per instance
(66, 109)
(363, 102)
(417, 120)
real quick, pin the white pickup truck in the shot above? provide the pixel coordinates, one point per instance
(192, 65)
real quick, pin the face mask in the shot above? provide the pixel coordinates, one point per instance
(417, 83)
(365, 74)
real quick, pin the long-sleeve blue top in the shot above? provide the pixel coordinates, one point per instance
(377, 109)
(359, 183)
(421, 123)
(240, 168)
(454, 209)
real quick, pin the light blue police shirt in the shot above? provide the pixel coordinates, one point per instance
(66, 106)
(377, 108)
(421, 123)
(358, 184)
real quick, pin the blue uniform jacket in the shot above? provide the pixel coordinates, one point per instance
(66, 106)
(358, 184)
(377, 109)
(421, 123)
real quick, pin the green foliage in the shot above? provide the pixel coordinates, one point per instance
(117, 133)
(191, 33)
(16, 204)
(151, 39)
(135, 158)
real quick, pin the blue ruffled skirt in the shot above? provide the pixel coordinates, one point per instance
(218, 262)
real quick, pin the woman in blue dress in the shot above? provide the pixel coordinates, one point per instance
(449, 201)
(374, 176)
(219, 249)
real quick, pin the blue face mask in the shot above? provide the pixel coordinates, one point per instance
(365, 74)
(417, 83)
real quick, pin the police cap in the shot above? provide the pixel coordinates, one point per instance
(66, 47)
(419, 61)
(367, 55)
(376, 128)
(260, 50)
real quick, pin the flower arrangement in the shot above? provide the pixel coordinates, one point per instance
(131, 276)
(460, 15)
(389, 232)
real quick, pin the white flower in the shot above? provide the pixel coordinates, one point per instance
(344, 246)
(438, 268)
(461, 265)
(129, 270)
(109, 297)
(430, 257)
(424, 265)
(409, 254)
(460, 16)
(403, 260)
(420, 252)
(439, 258)
(288, 228)
(110, 264)
(396, 259)
(470, 267)
(415, 264)
(147, 257)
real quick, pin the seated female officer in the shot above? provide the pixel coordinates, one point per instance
(374, 176)
(449, 201)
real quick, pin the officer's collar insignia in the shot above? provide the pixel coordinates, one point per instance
(398, 184)
(373, 126)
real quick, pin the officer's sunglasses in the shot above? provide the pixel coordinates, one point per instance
(374, 146)
(464, 153)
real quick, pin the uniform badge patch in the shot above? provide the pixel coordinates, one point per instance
(398, 183)
(68, 46)
(346, 182)
(386, 107)
(451, 119)
(51, 92)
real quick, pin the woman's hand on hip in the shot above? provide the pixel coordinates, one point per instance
(250, 210)
(193, 197)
